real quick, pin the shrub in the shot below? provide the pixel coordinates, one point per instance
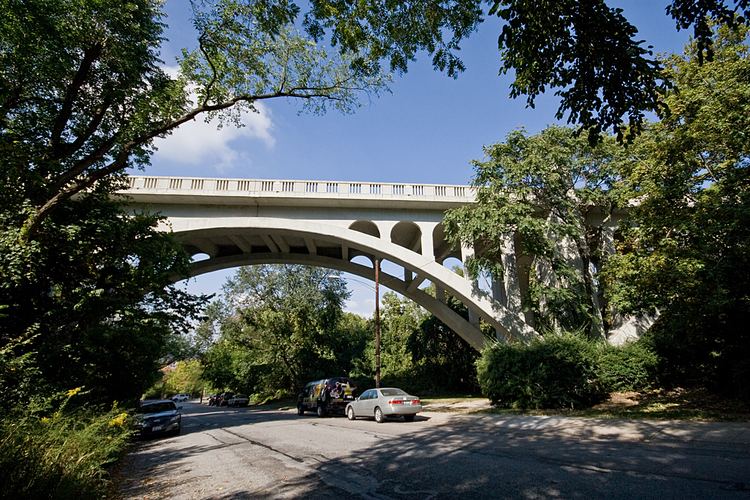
(631, 367)
(63, 455)
(557, 371)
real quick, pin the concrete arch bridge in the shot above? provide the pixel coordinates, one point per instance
(239, 222)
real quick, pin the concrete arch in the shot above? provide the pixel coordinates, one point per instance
(442, 248)
(421, 267)
(408, 235)
(456, 322)
(365, 226)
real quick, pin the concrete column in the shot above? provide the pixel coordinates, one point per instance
(427, 243)
(408, 276)
(440, 293)
(498, 291)
(385, 228)
(466, 253)
(473, 317)
(608, 239)
(511, 278)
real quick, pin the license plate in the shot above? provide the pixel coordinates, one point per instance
(157, 428)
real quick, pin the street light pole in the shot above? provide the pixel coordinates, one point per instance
(377, 323)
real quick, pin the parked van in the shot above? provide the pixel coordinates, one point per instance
(326, 396)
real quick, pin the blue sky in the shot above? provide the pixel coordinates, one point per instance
(427, 130)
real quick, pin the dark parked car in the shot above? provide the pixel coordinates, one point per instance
(220, 399)
(158, 416)
(326, 396)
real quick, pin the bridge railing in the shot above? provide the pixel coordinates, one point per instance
(270, 187)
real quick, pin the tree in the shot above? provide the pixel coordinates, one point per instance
(400, 319)
(547, 198)
(87, 286)
(685, 252)
(94, 306)
(280, 327)
(83, 95)
(419, 352)
(444, 361)
(187, 378)
(584, 48)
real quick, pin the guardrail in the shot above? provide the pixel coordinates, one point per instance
(198, 185)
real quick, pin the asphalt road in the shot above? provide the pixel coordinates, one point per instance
(248, 453)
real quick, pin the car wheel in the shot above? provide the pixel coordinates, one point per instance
(408, 418)
(321, 411)
(379, 418)
(300, 410)
(350, 413)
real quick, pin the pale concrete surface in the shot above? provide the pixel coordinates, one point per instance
(245, 222)
(247, 453)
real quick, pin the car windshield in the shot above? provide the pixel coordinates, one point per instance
(393, 392)
(157, 407)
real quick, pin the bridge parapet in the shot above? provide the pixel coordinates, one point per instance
(255, 188)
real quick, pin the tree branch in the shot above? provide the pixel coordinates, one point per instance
(214, 73)
(70, 183)
(93, 126)
(89, 57)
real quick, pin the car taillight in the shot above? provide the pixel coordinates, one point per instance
(396, 402)
(415, 401)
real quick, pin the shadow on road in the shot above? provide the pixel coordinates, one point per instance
(490, 456)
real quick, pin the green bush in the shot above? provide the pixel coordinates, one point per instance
(557, 371)
(63, 455)
(631, 367)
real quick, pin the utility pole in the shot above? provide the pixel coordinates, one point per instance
(377, 323)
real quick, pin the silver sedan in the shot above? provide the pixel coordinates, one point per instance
(383, 403)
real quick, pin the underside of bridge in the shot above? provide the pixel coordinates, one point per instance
(274, 241)
(339, 225)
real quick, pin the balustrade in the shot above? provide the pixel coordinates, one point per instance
(299, 188)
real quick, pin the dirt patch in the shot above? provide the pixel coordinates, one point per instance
(679, 404)
(456, 405)
(675, 404)
(619, 400)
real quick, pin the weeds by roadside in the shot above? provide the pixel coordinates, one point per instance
(62, 453)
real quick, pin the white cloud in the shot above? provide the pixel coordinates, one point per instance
(364, 308)
(200, 143)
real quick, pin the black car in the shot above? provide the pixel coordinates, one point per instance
(158, 416)
(326, 396)
(223, 398)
